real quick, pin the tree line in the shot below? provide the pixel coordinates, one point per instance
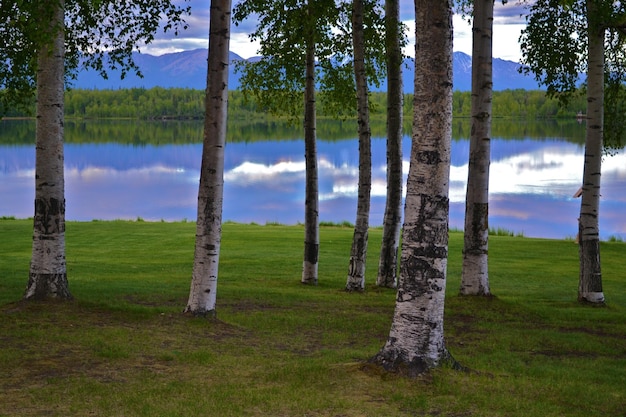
(164, 132)
(182, 103)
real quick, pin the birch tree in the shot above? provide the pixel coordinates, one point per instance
(303, 46)
(310, 260)
(475, 272)
(43, 44)
(48, 271)
(292, 34)
(590, 277)
(562, 40)
(203, 292)
(416, 340)
(358, 252)
(392, 221)
(358, 62)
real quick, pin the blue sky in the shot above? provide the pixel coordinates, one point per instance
(508, 23)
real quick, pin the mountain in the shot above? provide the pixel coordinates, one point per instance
(505, 74)
(187, 69)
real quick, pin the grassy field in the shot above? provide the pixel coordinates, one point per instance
(277, 348)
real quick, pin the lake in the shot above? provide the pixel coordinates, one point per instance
(150, 170)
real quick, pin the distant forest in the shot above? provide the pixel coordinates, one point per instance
(179, 103)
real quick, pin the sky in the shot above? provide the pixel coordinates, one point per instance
(508, 23)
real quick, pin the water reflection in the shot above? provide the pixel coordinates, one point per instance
(531, 188)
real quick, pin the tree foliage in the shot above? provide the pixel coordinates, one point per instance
(98, 34)
(555, 26)
(276, 81)
(561, 26)
(183, 103)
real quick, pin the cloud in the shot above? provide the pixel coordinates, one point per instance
(507, 28)
(508, 24)
(509, 13)
(171, 45)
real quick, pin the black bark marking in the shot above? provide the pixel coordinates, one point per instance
(311, 252)
(49, 216)
(412, 318)
(428, 157)
(590, 279)
(402, 295)
(201, 313)
(477, 238)
(48, 286)
(391, 360)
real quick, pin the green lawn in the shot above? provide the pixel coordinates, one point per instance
(278, 348)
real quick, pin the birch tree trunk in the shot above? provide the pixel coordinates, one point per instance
(311, 203)
(475, 273)
(358, 253)
(48, 272)
(392, 222)
(590, 280)
(203, 292)
(416, 339)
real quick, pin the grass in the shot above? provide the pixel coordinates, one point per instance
(500, 231)
(277, 348)
(494, 231)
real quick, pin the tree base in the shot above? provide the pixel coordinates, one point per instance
(205, 314)
(592, 299)
(354, 287)
(47, 287)
(385, 284)
(392, 362)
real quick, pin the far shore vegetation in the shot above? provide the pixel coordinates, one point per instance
(183, 104)
(123, 347)
(174, 116)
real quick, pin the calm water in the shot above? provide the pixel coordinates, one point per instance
(114, 172)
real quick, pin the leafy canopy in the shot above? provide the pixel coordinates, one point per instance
(284, 29)
(554, 48)
(99, 34)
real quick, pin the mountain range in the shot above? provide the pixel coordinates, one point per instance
(187, 69)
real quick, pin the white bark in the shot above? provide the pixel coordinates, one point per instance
(203, 292)
(48, 273)
(475, 274)
(590, 280)
(358, 253)
(416, 339)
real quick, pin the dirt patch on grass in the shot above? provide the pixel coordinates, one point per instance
(566, 354)
(598, 332)
(248, 306)
(47, 341)
(161, 302)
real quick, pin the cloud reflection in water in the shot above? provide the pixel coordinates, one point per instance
(531, 183)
